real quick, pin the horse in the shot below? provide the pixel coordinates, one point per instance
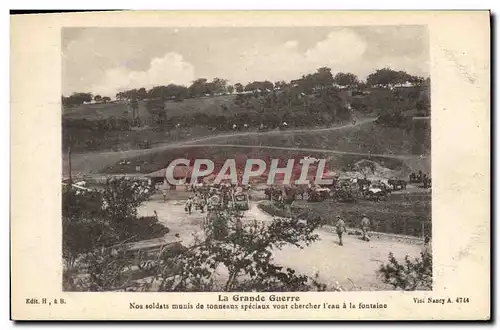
(376, 193)
(397, 183)
(289, 196)
(363, 184)
(318, 194)
(296, 190)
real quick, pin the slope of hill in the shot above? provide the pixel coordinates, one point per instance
(95, 111)
(342, 146)
(211, 119)
(111, 126)
(214, 105)
(366, 138)
(208, 105)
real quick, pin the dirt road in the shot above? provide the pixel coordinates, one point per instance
(353, 265)
(277, 132)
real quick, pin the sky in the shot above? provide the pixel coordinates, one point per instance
(108, 60)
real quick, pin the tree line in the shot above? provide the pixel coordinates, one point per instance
(80, 98)
(322, 78)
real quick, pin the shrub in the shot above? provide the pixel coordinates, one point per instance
(95, 219)
(409, 276)
(147, 228)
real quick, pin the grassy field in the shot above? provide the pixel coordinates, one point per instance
(154, 160)
(208, 105)
(97, 111)
(95, 139)
(402, 213)
(88, 140)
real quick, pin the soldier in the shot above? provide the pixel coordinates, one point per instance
(340, 228)
(365, 226)
(189, 205)
(427, 249)
(202, 203)
(164, 195)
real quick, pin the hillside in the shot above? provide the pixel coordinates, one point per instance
(104, 134)
(112, 126)
(208, 105)
(96, 111)
(366, 138)
(342, 146)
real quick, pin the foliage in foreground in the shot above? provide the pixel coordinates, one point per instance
(94, 219)
(234, 255)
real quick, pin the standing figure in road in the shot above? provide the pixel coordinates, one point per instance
(365, 227)
(196, 201)
(164, 195)
(341, 229)
(189, 205)
(427, 248)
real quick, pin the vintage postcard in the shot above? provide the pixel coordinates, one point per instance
(250, 165)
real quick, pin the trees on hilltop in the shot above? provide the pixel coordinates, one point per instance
(76, 99)
(346, 79)
(390, 78)
(319, 80)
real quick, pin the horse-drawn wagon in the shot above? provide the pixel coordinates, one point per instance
(147, 254)
(397, 184)
(377, 191)
(317, 194)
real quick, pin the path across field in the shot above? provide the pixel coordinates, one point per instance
(94, 162)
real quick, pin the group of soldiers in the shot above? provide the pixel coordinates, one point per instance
(210, 197)
(198, 201)
(341, 228)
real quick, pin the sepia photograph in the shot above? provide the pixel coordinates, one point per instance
(251, 165)
(246, 159)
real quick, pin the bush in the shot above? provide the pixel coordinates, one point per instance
(147, 228)
(96, 219)
(360, 104)
(302, 212)
(243, 248)
(272, 209)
